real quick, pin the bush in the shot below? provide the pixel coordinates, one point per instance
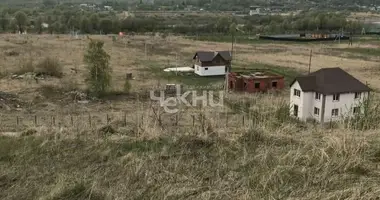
(49, 66)
(26, 66)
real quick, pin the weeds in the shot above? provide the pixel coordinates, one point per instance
(50, 67)
(27, 66)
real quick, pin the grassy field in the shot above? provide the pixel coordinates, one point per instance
(124, 146)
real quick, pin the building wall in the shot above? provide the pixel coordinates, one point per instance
(307, 103)
(346, 104)
(210, 71)
(248, 85)
(265, 84)
(295, 100)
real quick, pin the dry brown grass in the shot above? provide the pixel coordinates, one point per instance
(200, 153)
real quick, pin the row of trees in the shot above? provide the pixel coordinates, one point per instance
(92, 22)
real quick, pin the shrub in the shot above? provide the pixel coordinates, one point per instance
(49, 66)
(26, 66)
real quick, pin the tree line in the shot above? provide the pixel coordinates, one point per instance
(86, 22)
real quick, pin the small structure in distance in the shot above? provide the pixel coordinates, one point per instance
(211, 63)
(305, 37)
(179, 69)
(328, 94)
(257, 81)
(255, 10)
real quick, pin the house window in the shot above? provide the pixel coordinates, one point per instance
(336, 97)
(295, 110)
(316, 111)
(206, 68)
(297, 93)
(318, 96)
(274, 84)
(358, 95)
(257, 85)
(334, 112)
(356, 110)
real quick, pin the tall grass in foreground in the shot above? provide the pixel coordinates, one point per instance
(270, 157)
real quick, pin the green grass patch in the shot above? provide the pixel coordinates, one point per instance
(193, 80)
(186, 78)
(363, 51)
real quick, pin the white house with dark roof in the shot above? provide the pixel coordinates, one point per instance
(326, 95)
(209, 63)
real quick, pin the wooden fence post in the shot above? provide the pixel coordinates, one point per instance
(107, 119)
(243, 120)
(17, 121)
(125, 119)
(226, 119)
(35, 120)
(53, 121)
(89, 120)
(72, 120)
(193, 120)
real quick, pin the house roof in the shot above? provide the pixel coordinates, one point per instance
(207, 56)
(330, 81)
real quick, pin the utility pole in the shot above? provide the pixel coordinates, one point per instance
(176, 63)
(228, 68)
(311, 54)
(145, 49)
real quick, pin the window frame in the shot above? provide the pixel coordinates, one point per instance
(317, 95)
(358, 95)
(295, 92)
(256, 84)
(317, 111)
(336, 95)
(274, 82)
(358, 110)
(337, 112)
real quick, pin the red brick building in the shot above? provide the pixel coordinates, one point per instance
(255, 81)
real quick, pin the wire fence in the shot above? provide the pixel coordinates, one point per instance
(123, 119)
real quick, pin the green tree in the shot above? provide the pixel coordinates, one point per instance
(94, 20)
(116, 25)
(21, 20)
(105, 26)
(4, 21)
(55, 27)
(49, 3)
(13, 26)
(73, 23)
(85, 25)
(38, 25)
(99, 70)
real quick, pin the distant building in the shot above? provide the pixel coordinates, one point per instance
(108, 8)
(45, 25)
(258, 81)
(327, 95)
(254, 10)
(209, 63)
